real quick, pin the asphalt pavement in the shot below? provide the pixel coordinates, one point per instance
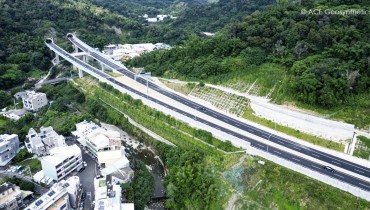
(87, 175)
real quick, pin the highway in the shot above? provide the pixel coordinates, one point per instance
(254, 143)
(339, 162)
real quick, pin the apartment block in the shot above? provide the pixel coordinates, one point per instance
(9, 145)
(10, 197)
(34, 101)
(61, 162)
(61, 196)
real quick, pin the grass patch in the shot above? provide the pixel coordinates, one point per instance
(114, 74)
(271, 186)
(2, 122)
(248, 114)
(102, 183)
(181, 88)
(266, 76)
(362, 148)
(34, 164)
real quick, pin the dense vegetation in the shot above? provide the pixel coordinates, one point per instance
(62, 115)
(25, 24)
(213, 17)
(23, 185)
(325, 57)
(140, 189)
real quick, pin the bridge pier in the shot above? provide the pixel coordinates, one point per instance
(80, 73)
(56, 60)
(76, 48)
(103, 67)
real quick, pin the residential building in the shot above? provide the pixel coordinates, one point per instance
(34, 101)
(61, 162)
(15, 114)
(9, 145)
(120, 52)
(62, 195)
(103, 144)
(82, 129)
(41, 143)
(158, 18)
(10, 197)
(108, 195)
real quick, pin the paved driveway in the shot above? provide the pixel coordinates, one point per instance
(86, 176)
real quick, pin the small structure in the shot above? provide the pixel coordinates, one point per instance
(20, 95)
(120, 52)
(158, 18)
(41, 143)
(15, 114)
(61, 162)
(34, 101)
(62, 195)
(108, 195)
(10, 197)
(103, 144)
(9, 145)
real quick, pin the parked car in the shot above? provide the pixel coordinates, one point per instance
(82, 169)
(83, 196)
(84, 163)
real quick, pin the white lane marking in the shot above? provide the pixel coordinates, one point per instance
(297, 148)
(358, 171)
(339, 175)
(315, 166)
(261, 145)
(315, 155)
(296, 159)
(349, 163)
(277, 152)
(363, 184)
(335, 162)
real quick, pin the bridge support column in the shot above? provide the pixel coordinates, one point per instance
(103, 68)
(76, 48)
(80, 73)
(57, 59)
(85, 59)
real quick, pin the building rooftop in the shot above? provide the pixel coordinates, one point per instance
(4, 187)
(59, 154)
(5, 137)
(56, 192)
(33, 94)
(13, 192)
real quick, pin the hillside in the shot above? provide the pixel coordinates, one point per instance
(24, 25)
(316, 61)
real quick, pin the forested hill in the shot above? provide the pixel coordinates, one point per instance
(212, 17)
(24, 25)
(326, 57)
(136, 8)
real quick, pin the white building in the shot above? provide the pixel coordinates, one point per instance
(14, 114)
(61, 196)
(61, 162)
(120, 52)
(103, 144)
(108, 196)
(34, 101)
(10, 197)
(41, 143)
(9, 145)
